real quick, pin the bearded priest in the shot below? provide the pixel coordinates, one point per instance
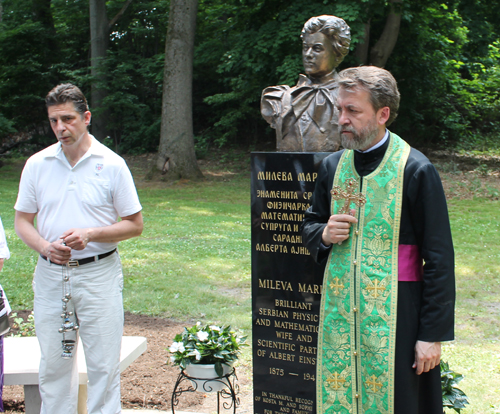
(380, 222)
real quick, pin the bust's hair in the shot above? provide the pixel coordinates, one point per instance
(67, 92)
(335, 29)
(378, 82)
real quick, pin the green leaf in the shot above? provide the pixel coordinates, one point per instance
(218, 369)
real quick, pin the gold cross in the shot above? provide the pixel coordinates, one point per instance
(374, 384)
(348, 195)
(336, 380)
(375, 288)
(336, 285)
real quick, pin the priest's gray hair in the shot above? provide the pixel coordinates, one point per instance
(380, 84)
(335, 29)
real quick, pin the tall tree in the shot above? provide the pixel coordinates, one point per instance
(363, 47)
(99, 42)
(380, 52)
(385, 45)
(176, 154)
(43, 14)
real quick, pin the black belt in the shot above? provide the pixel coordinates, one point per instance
(79, 262)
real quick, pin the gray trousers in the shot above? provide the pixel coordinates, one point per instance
(96, 290)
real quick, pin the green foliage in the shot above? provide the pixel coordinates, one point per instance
(447, 94)
(441, 46)
(210, 344)
(134, 69)
(255, 48)
(453, 397)
(25, 74)
(25, 328)
(446, 62)
(35, 56)
(6, 126)
(135, 113)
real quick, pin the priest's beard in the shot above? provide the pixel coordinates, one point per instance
(361, 140)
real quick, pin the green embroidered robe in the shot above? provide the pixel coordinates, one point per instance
(356, 342)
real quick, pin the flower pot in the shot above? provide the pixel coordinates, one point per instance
(204, 377)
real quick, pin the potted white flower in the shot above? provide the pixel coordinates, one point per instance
(206, 352)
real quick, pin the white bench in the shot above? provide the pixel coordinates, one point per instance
(22, 359)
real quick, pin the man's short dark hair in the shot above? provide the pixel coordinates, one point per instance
(335, 29)
(67, 92)
(378, 82)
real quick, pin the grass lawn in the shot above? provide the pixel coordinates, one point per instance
(476, 351)
(192, 263)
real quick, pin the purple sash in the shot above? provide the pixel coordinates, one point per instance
(1, 374)
(410, 264)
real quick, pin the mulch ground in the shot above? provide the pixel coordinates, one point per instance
(148, 383)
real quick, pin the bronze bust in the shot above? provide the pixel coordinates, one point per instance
(305, 116)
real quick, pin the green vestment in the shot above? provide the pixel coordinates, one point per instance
(356, 341)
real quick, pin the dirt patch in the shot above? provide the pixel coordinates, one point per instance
(466, 176)
(148, 383)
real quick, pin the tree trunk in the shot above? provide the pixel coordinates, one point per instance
(362, 48)
(119, 14)
(176, 155)
(382, 50)
(99, 39)
(43, 14)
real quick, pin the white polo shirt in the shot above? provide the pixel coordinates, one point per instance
(93, 193)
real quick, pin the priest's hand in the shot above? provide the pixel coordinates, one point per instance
(338, 227)
(427, 356)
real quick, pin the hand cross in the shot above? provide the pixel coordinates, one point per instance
(348, 195)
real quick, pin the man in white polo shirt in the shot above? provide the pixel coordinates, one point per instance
(77, 189)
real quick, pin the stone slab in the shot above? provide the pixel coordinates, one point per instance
(22, 359)
(286, 284)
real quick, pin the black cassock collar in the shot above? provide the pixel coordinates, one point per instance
(367, 162)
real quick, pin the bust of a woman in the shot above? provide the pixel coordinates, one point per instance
(305, 116)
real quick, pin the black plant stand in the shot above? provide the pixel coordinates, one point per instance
(229, 392)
